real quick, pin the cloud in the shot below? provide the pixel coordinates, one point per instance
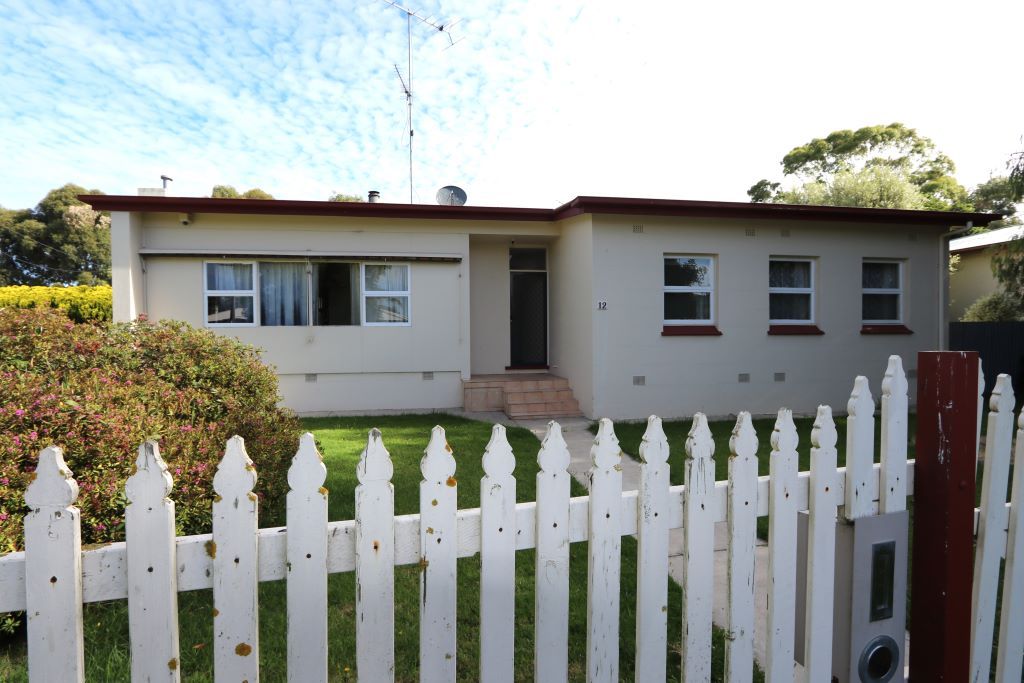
(537, 103)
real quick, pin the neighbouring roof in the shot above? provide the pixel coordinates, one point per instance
(986, 239)
(581, 205)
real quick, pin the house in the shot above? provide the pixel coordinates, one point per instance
(626, 306)
(973, 278)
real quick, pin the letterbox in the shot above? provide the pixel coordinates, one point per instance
(869, 616)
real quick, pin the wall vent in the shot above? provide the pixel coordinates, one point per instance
(751, 232)
(639, 380)
(743, 378)
(780, 377)
(428, 375)
(311, 377)
(638, 228)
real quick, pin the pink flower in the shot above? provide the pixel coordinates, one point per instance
(19, 412)
(3, 517)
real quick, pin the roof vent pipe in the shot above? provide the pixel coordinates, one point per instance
(373, 197)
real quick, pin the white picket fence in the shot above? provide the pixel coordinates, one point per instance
(55, 576)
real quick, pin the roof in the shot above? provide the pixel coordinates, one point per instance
(986, 239)
(580, 205)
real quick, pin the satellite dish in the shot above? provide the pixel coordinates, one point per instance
(451, 195)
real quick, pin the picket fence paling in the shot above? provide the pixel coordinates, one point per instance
(375, 562)
(698, 550)
(992, 521)
(652, 554)
(497, 560)
(783, 470)
(234, 554)
(1010, 658)
(604, 556)
(306, 509)
(152, 579)
(895, 408)
(551, 572)
(742, 523)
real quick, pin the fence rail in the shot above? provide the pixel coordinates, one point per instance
(54, 576)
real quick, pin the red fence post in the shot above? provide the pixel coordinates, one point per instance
(943, 553)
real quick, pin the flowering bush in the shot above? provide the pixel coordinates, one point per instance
(99, 390)
(80, 303)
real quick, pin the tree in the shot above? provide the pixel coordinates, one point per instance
(229, 192)
(61, 241)
(996, 195)
(894, 147)
(1016, 178)
(874, 187)
(341, 197)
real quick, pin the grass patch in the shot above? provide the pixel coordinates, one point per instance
(342, 439)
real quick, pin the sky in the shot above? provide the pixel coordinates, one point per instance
(536, 102)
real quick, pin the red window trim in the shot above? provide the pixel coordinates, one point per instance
(795, 329)
(886, 329)
(690, 331)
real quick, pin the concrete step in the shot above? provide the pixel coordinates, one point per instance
(562, 407)
(542, 396)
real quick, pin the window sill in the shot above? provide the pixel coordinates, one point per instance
(795, 330)
(886, 329)
(690, 331)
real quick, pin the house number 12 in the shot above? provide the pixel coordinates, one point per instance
(602, 305)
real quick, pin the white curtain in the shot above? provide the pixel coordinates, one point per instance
(283, 294)
(380, 278)
(228, 276)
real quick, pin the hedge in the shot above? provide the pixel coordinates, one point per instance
(99, 390)
(81, 303)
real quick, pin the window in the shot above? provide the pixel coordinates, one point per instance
(790, 291)
(284, 297)
(230, 294)
(336, 294)
(882, 291)
(385, 294)
(689, 290)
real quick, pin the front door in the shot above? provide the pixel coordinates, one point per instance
(528, 324)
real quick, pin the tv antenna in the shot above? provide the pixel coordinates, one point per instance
(407, 85)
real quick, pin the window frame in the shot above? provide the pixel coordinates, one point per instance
(364, 293)
(254, 293)
(712, 319)
(793, 290)
(898, 291)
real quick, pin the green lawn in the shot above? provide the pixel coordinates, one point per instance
(342, 439)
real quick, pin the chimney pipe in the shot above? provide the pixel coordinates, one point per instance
(373, 197)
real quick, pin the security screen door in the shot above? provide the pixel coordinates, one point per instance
(528, 323)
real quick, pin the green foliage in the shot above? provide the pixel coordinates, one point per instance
(81, 303)
(996, 195)
(876, 187)
(894, 148)
(98, 390)
(1008, 267)
(61, 241)
(341, 197)
(993, 308)
(229, 192)
(1016, 177)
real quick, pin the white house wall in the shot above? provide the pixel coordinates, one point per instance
(572, 300)
(339, 368)
(686, 374)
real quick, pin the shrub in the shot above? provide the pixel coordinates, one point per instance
(80, 303)
(993, 308)
(98, 390)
